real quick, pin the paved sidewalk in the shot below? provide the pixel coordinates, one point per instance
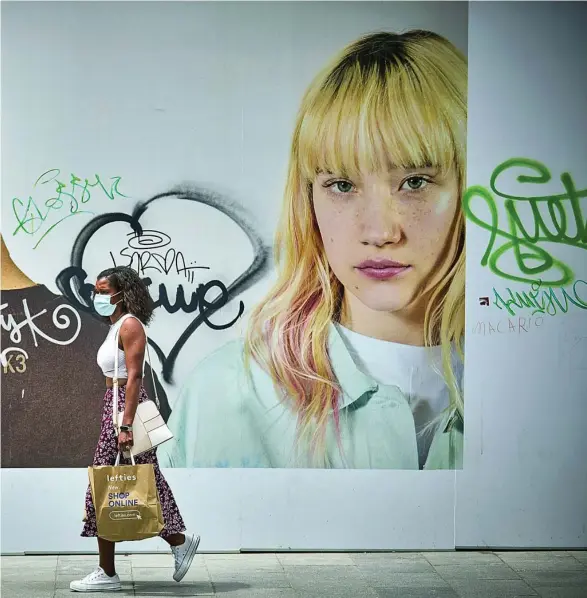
(309, 575)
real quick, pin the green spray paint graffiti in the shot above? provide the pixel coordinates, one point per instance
(34, 216)
(555, 219)
(548, 301)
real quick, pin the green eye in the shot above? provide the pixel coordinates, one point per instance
(343, 186)
(414, 183)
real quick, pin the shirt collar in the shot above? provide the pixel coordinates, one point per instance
(353, 382)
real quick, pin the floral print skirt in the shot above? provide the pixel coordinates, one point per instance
(106, 452)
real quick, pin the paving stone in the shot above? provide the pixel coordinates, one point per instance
(370, 569)
(251, 579)
(383, 558)
(147, 589)
(459, 557)
(517, 556)
(492, 588)
(417, 579)
(580, 555)
(538, 579)
(11, 574)
(27, 589)
(339, 592)
(315, 560)
(476, 571)
(564, 592)
(539, 563)
(38, 563)
(416, 593)
(265, 593)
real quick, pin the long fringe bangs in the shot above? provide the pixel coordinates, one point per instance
(372, 117)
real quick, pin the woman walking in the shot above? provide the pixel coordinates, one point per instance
(122, 296)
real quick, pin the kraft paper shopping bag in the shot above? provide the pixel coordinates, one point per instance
(126, 501)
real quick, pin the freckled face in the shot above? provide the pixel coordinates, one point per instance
(385, 234)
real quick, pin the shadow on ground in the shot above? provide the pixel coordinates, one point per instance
(162, 588)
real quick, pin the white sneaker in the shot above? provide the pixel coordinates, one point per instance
(97, 581)
(184, 555)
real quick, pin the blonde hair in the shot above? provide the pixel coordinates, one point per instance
(386, 97)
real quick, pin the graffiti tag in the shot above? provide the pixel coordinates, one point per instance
(20, 357)
(34, 216)
(548, 301)
(555, 219)
(150, 251)
(509, 326)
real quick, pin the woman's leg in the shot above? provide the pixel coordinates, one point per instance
(175, 539)
(107, 550)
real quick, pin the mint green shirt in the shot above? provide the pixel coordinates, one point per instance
(228, 417)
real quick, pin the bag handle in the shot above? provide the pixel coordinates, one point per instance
(115, 379)
(117, 462)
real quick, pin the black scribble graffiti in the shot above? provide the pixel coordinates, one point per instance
(73, 284)
(150, 251)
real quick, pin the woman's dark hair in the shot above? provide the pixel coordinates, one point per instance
(135, 294)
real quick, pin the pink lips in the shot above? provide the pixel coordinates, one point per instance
(381, 269)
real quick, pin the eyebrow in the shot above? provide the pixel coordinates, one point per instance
(427, 166)
(392, 168)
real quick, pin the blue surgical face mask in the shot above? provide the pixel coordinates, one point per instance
(103, 306)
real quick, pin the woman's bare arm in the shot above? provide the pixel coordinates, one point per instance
(133, 339)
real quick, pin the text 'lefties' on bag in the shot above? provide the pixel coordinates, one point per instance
(121, 478)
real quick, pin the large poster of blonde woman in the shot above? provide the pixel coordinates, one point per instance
(354, 359)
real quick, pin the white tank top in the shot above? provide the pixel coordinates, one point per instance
(106, 352)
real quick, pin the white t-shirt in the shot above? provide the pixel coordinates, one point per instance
(414, 370)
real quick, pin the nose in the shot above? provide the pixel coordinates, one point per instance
(379, 220)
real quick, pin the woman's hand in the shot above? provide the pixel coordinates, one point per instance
(125, 441)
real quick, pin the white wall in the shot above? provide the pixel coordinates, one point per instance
(524, 481)
(146, 92)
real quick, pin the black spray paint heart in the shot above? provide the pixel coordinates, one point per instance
(72, 282)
